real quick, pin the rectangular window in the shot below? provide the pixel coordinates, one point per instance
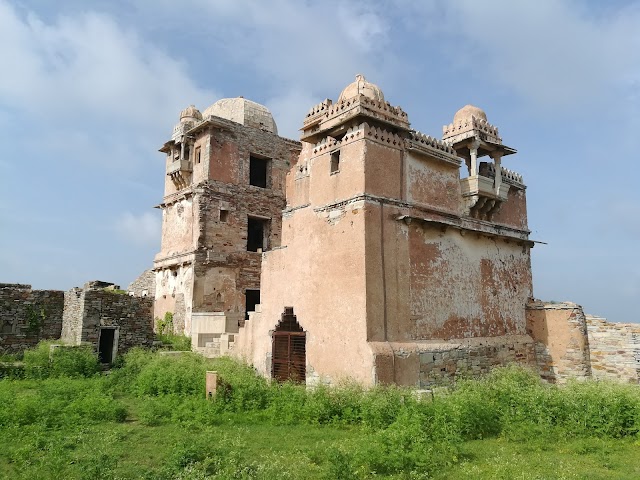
(252, 298)
(198, 155)
(258, 168)
(224, 215)
(257, 234)
(335, 161)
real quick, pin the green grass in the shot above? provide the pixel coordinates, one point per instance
(149, 419)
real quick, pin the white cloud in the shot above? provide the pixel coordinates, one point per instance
(553, 53)
(84, 68)
(143, 230)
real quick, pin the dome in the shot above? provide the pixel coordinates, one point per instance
(361, 86)
(190, 114)
(243, 111)
(468, 111)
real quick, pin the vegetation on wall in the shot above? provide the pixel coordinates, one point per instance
(36, 316)
(164, 326)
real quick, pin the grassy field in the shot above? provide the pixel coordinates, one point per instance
(148, 419)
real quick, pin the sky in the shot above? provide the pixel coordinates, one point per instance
(91, 89)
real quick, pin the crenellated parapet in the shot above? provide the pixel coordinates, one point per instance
(359, 132)
(468, 127)
(360, 100)
(489, 170)
(321, 107)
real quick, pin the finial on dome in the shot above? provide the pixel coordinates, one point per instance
(362, 87)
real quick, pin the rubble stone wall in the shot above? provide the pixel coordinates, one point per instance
(615, 349)
(28, 316)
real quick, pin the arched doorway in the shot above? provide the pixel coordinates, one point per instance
(288, 354)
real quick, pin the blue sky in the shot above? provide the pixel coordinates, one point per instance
(91, 89)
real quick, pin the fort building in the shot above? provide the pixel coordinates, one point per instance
(377, 251)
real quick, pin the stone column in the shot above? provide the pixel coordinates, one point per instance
(497, 158)
(473, 150)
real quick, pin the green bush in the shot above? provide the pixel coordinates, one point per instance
(65, 361)
(55, 402)
(180, 343)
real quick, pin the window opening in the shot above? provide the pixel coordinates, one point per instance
(198, 155)
(224, 215)
(335, 161)
(257, 234)
(258, 171)
(252, 298)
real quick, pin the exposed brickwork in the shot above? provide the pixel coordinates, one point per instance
(28, 316)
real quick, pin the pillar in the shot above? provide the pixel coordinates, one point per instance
(497, 158)
(473, 150)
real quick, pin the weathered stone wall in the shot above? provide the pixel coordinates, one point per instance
(73, 316)
(28, 316)
(427, 364)
(560, 334)
(144, 285)
(133, 316)
(615, 349)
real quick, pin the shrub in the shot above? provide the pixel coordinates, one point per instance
(180, 343)
(65, 361)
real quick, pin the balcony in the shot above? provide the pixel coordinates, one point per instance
(482, 196)
(179, 166)
(179, 172)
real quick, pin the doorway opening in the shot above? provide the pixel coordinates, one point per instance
(289, 355)
(107, 344)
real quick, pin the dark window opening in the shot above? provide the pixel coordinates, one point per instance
(258, 171)
(335, 161)
(198, 155)
(252, 298)
(224, 215)
(257, 234)
(105, 349)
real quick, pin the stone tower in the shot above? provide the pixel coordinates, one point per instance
(223, 197)
(394, 266)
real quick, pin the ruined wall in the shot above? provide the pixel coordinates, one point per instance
(615, 349)
(560, 334)
(28, 316)
(86, 310)
(144, 285)
(73, 316)
(174, 287)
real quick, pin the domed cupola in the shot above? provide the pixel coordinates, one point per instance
(361, 87)
(190, 114)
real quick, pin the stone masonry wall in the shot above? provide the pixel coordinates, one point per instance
(560, 334)
(28, 316)
(615, 349)
(144, 285)
(73, 316)
(444, 364)
(134, 316)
